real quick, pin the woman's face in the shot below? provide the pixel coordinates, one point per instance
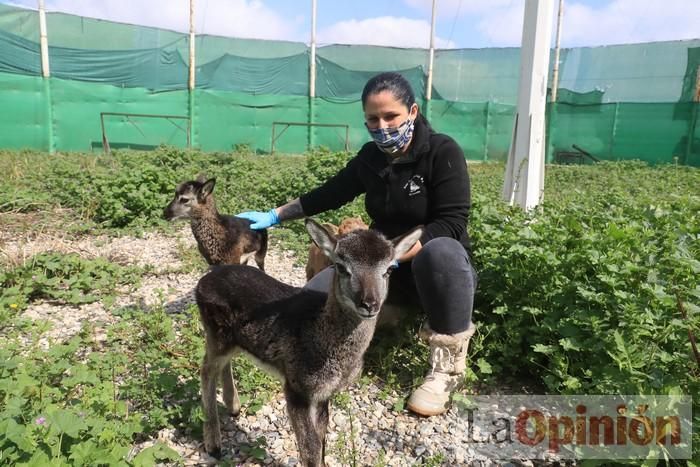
(383, 110)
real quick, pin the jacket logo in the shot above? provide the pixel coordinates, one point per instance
(414, 185)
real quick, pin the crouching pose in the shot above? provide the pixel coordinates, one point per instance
(410, 176)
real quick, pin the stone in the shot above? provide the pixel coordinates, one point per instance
(460, 455)
(427, 429)
(340, 421)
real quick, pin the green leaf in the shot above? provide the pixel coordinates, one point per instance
(16, 433)
(484, 366)
(399, 405)
(258, 453)
(545, 349)
(83, 453)
(40, 459)
(569, 344)
(67, 422)
(157, 453)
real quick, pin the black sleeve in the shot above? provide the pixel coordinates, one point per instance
(450, 197)
(338, 190)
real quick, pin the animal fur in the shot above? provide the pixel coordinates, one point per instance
(221, 239)
(317, 261)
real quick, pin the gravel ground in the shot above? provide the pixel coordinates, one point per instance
(368, 432)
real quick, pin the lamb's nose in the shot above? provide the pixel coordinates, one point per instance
(369, 304)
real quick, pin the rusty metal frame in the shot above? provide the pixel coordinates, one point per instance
(276, 136)
(105, 140)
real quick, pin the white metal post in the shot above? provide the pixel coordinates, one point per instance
(431, 57)
(43, 41)
(46, 73)
(524, 181)
(191, 82)
(312, 58)
(557, 47)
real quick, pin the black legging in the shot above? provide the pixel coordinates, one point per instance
(440, 278)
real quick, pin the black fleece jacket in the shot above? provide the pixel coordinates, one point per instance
(428, 185)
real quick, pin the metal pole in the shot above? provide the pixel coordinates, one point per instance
(46, 74)
(555, 70)
(431, 57)
(43, 39)
(695, 102)
(312, 78)
(105, 141)
(524, 180)
(312, 59)
(191, 81)
(347, 137)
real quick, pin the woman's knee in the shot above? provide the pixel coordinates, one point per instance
(440, 252)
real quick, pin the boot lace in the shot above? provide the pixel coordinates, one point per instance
(441, 360)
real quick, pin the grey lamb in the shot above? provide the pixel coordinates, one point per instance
(314, 341)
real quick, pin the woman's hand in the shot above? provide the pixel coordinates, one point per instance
(260, 220)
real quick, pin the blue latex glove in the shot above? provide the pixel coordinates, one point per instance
(261, 220)
(394, 264)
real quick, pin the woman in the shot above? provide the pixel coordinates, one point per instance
(410, 176)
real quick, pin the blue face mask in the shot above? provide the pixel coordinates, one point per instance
(393, 139)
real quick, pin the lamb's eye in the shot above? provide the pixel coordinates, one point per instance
(184, 200)
(342, 269)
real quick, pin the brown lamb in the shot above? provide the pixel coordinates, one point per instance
(221, 239)
(317, 261)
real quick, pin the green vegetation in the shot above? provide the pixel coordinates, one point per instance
(581, 296)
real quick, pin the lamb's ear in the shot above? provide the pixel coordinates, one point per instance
(323, 239)
(207, 188)
(405, 242)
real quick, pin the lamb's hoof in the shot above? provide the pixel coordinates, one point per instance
(215, 453)
(234, 409)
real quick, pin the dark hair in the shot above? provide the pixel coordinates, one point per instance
(393, 82)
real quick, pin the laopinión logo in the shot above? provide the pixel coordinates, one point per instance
(579, 427)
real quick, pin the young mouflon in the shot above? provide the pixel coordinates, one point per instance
(221, 239)
(314, 341)
(317, 261)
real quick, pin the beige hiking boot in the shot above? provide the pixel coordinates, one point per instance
(448, 353)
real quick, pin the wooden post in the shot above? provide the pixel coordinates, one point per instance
(524, 180)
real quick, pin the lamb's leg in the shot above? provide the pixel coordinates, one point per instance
(322, 414)
(262, 251)
(304, 419)
(233, 404)
(211, 369)
(260, 259)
